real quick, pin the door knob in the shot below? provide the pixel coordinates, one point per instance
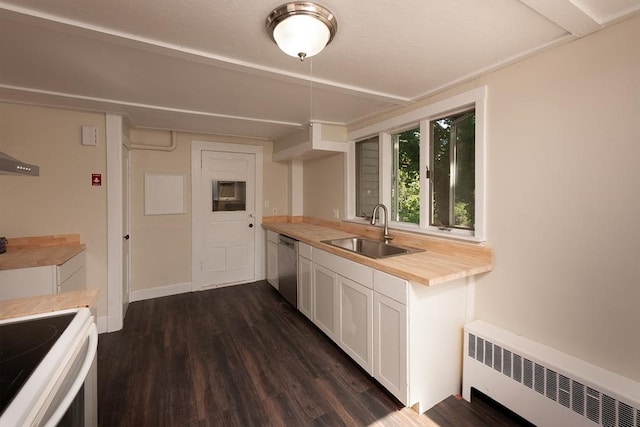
(126, 237)
(250, 225)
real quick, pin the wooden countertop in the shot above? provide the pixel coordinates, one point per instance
(24, 252)
(441, 262)
(47, 303)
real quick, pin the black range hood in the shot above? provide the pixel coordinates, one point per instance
(12, 166)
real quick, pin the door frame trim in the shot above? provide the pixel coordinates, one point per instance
(126, 147)
(197, 223)
(114, 128)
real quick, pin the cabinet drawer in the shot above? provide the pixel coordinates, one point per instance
(67, 269)
(391, 286)
(304, 250)
(27, 282)
(351, 270)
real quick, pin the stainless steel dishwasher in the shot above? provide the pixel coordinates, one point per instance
(288, 269)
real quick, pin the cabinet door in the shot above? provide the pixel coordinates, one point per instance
(305, 287)
(390, 345)
(355, 332)
(325, 300)
(72, 275)
(272, 264)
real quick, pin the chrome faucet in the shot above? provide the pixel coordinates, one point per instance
(385, 221)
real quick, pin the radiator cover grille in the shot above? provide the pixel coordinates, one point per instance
(589, 402)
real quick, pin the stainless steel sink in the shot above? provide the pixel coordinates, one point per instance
(371, 248)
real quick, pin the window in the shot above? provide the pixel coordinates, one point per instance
(228, 195)
(428, 171)
(367, 176)
(452, 173)
(405, 179)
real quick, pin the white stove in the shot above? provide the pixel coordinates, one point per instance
(48, 372)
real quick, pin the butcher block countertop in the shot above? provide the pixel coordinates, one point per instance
(442, 260)
(24, 252)
(47, 303)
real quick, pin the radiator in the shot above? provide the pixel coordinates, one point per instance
(543, 385)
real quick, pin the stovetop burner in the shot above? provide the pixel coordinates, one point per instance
(23, 345)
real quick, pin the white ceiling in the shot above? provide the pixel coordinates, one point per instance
(209, 66)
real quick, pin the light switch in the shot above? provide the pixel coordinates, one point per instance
(89, 135)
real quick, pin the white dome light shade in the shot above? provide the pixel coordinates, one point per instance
(301, 36)
(301, 29)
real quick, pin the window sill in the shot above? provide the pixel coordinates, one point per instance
(453, 234)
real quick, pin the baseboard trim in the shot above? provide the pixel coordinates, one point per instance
(160, 291)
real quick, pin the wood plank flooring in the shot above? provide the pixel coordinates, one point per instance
(481, 412)
(238, 356)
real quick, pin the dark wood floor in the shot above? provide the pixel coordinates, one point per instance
(241, 356)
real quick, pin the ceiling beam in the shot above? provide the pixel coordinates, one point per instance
(47, 94)
(565, 14)
(84, 29)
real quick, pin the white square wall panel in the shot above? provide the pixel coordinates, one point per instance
(163, 194)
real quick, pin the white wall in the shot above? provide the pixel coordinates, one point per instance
(563, 161)
(161, 244)
(563, 141)
(61, 200)
(564, 199)
(324, 186)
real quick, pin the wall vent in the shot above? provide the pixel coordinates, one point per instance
(543, 385)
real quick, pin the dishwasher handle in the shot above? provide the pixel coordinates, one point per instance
(288, 242)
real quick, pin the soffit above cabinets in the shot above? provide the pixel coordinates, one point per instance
(210, 67)
(317, 140)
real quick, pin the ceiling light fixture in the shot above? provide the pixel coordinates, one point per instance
(301, 29)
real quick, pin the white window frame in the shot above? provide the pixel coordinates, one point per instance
(475, 98)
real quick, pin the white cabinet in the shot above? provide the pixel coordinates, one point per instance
(346, 268)
(27, 282)
(272, 258)
(305, 289)
(325, 300)
(342, 304)
(436, 316)
(406, 335)
(418, 338)
(390, 349)
(44, 280)
(355, 331)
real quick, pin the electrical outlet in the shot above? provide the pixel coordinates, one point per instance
(266, 204)
(275, 211)
(336, 213)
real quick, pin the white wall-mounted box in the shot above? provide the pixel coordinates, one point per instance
(89, 135)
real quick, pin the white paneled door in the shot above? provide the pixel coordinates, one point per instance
(228, 211)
